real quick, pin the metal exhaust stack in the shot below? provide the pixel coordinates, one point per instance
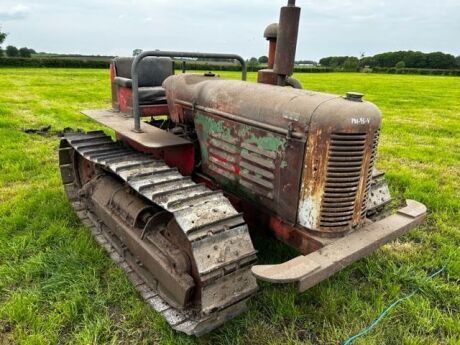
(282, 39)
(286, 44)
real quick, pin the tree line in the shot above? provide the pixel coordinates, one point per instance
(12, 51)
(399, 59)
(264, 59)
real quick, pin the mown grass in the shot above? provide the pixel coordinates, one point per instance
(57, 286)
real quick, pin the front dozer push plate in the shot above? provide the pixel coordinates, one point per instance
(313, 268)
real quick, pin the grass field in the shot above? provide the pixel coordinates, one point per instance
(57, 286)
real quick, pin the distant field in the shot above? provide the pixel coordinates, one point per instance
(57, 286)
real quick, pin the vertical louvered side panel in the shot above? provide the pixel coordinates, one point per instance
(253, 167)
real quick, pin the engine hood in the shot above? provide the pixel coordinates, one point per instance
(273, 105)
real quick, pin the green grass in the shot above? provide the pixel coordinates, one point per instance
(57, 286)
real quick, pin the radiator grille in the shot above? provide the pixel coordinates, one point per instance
(343, 177)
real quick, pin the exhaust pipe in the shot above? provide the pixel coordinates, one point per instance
(288, 31)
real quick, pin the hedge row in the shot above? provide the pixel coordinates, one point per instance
(82, 63)
(206, 66)
(203, 66)
(422, 71)
(53, 62)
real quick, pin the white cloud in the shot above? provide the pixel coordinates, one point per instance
(18, 11)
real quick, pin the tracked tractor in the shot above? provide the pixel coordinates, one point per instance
(197, 159)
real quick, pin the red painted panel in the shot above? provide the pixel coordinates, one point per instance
(154, 110)
(125, 100)
(182, 157)
(112, 72)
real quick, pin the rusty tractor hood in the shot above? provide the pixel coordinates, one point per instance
(319, 175)
(272, 105)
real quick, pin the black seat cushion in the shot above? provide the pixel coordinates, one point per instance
(152, 70)
(152, 95)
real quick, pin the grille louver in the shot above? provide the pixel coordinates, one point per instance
(257, 170)
(345, 159)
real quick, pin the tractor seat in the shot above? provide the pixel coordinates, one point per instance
(152, 72)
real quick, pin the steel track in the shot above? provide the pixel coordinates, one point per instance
(219, 238)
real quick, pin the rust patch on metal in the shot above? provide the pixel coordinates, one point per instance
(313, 180)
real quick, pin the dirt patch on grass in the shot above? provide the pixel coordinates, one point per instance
(6, 333)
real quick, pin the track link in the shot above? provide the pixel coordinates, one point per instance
(218, 236)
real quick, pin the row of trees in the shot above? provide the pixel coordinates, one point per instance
(399, 59)
(257, 61)
(12, 51)
(264, 59)
(348, 63)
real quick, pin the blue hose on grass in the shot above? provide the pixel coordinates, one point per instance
(387, 310)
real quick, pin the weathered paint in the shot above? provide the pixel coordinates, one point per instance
(309, 211)
(283, 164)
(268, 142)
(209, 124)
(244, 131)
(309, 208)
(206, 125)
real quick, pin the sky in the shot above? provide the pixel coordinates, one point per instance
(327, 27)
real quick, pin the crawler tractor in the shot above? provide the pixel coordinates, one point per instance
(171, 199)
